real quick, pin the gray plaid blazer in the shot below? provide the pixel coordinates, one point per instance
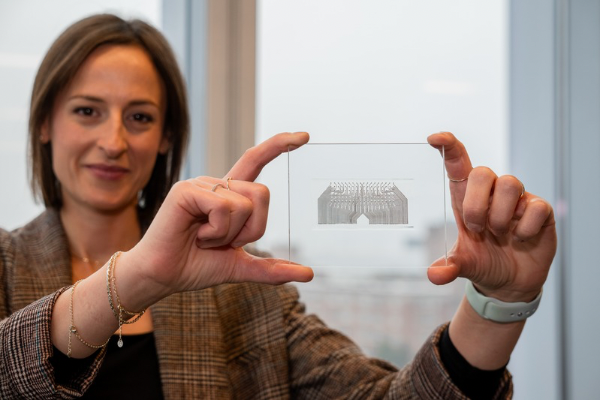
(245, 341)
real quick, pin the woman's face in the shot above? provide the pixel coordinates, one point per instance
(106, 129)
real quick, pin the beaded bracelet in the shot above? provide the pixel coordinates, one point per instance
(111, 285)
(73, 329)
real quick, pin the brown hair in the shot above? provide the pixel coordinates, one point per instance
(61, 63)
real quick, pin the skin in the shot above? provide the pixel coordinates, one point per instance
(506, 240)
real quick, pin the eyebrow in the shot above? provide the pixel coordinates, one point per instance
(99, 100)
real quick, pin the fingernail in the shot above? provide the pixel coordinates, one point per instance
(474, 227)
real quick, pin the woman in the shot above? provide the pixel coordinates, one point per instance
(189, 306)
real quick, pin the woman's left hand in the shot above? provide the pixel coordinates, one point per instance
(506, 236)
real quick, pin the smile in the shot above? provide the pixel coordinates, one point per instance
(107, 172)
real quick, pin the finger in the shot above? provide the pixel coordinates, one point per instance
(537, 214)
(239, 207)
(248, 224)
(441, 273)
(507, 192)
(249, 166)
(457, 161)
(476, 203)
(225, 212)
(269, 270)
(458, 167)
(255, 226)
(211, 209)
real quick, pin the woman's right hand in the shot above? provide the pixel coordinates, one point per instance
(196, 238)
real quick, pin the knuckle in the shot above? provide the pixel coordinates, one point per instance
(262, 191)
(540, 209)
(197, 180)
(240, 205)
(182, 186)
(482, 172)
(255, 155)
(541, 204)
(509, 183)
(251, 153)
(179, 185)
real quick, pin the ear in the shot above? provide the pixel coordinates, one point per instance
(164, 146)
(45, 132)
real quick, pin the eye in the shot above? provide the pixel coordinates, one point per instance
(142, 118)
(84, 111)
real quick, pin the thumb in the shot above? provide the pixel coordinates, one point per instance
(272, 271)
(441, 272)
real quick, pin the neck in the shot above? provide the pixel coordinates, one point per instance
(95, 235)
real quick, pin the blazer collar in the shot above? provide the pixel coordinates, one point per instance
(42, 261)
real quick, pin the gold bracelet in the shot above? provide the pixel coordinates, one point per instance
(111, 285)
(114, 285)
(73, 329)
(111, 265)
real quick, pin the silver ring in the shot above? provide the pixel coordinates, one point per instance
(228, 179)
(214, 188)
(458, 180)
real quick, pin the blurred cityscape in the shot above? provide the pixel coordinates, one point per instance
(388, 312)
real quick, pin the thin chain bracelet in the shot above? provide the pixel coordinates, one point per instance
(73, 329)
(111, 285)
(114, 285)
(109, 269)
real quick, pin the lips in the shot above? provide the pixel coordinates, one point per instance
(107, 172)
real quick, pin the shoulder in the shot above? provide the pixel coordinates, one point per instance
(34, 260)
(39, 237)
(45, 228)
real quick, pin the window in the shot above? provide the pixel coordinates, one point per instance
(380, 71)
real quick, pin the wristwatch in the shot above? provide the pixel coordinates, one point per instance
(500, 311)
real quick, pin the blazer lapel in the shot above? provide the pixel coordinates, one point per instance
(190, 347)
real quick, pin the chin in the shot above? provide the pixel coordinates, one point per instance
(112, 205)
(101, 201)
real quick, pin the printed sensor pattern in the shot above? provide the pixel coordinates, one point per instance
(380, 202)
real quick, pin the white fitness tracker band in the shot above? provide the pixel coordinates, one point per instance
(500, 311)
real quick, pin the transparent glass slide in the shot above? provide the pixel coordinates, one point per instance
(366, 205)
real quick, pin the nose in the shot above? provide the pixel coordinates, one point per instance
(113, 141)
